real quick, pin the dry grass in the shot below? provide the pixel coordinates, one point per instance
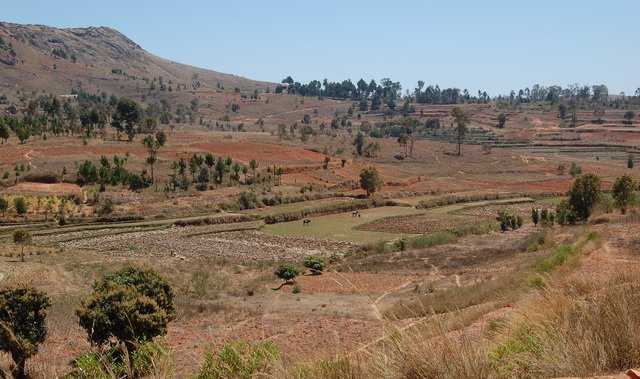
(570, 328)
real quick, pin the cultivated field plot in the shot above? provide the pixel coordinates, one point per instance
(194, 242)
(523, 209)
(343, 226)
(447, 217)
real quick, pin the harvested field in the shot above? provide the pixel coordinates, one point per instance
(192, 242)
(45, 189)
(419, 224)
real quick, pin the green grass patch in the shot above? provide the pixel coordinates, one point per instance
(564, 254)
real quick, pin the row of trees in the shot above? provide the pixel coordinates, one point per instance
(89, 115)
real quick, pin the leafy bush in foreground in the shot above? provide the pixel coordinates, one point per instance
(133, 305)
(23, 312)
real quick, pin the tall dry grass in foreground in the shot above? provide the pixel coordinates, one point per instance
(575, 328)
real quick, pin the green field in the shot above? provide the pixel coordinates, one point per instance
(342, 226)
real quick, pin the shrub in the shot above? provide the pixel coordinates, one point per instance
(132, 305)
(509, 221)
(315, 264)
(20, 204)
(106, 208)
(248, 200)
(575, 170)
(150, 359)
(287, 272)
(565, 213)
(22, 324)
(239, 360)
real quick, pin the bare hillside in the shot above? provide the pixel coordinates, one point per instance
(36, 58)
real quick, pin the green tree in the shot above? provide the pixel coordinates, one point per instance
(623, 192)
(23, 313)
(220, 170)
(4, 132)
(630, 162)
(20, 205)
(4, 205)
(502, 120)
(202, 179)
(23, 133)
(358, 142)
(584, 194)
(236, 171)
(21, 237)
(629, 116)
(370, 180)
(254, 166)
(461, 126)
(535, 216)
(132, 305)
(126, 117)
(87, 173)
(153, 143)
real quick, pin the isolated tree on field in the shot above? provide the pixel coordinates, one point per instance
(584, 194)
(4, 205)
(20, 205)
(131, 305)
(358, 142)
(314, 264)
(153, 145)
(630, 162)
(461, 126)
(21, 237)
(623, 192)
(370, 180)
(502, 120)
(23, 313)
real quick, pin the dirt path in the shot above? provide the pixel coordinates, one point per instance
(374, 304)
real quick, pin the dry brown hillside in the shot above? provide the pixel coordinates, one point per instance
(43, 58)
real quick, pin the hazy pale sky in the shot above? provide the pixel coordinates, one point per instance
(493, 45)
